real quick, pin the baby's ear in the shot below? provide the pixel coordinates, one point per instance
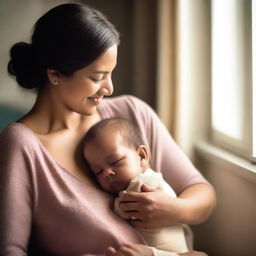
(143, 153)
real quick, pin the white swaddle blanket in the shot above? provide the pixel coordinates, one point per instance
(169, 238)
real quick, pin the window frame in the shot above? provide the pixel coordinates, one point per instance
(242, 147)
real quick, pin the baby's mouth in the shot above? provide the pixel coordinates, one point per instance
(117, 186)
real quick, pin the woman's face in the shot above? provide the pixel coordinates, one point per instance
(85, 89)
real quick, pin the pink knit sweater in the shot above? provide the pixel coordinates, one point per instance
(45, 210)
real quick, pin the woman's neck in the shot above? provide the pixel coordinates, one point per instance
(47, 116)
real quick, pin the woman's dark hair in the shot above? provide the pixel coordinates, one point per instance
(66, 38)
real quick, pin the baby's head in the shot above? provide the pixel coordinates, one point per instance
(115, 153)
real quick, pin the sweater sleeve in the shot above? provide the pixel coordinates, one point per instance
(166, 156)
(15, 193)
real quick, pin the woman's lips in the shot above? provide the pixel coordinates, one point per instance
(96, 100)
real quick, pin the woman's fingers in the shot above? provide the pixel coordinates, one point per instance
(131, 211)
(134, 201)
(146, 188)
(110, 251)
(134, 205)
(122, 251)
(126, 206)
(150, 209)
(136, 196)
(146, 209)
(130, 196)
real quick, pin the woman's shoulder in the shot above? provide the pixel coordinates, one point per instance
(17, 134)
(124, 105)
(123, 100)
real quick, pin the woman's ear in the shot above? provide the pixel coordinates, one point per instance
(143, 153)
(53, 76)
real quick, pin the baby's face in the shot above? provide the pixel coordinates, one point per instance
(113, 163)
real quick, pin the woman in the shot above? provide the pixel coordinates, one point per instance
(49, 203)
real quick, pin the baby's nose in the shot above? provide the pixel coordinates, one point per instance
(108, 172)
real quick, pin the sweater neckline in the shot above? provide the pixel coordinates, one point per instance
(52, 159)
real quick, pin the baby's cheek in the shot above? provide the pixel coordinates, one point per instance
(103, 184)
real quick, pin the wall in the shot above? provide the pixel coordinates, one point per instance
(16, 22)
(231, 230)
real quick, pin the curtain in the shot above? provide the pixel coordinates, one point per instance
(184, 68)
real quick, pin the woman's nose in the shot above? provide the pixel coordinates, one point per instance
(107, 87)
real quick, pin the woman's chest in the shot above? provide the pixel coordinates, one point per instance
(66, 148)
(72, 218)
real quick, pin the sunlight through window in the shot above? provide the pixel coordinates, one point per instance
(233, 74)
(227, 92)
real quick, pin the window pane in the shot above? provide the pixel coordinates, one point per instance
(227, 68)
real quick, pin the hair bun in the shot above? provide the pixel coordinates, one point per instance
(23, 65)
(19, 54)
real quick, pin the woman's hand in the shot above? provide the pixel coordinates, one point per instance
(131, 250)
(150, 208)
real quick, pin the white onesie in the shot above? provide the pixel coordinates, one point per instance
(170, 238)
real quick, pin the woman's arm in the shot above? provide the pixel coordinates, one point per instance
(198, 202)
(15, 195)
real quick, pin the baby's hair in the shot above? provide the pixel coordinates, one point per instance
(129, 132)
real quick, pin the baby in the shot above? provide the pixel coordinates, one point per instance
(116, 155)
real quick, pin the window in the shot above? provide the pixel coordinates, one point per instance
(233, 76)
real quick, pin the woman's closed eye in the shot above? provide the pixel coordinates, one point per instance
(97, 79)
(100, 76)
